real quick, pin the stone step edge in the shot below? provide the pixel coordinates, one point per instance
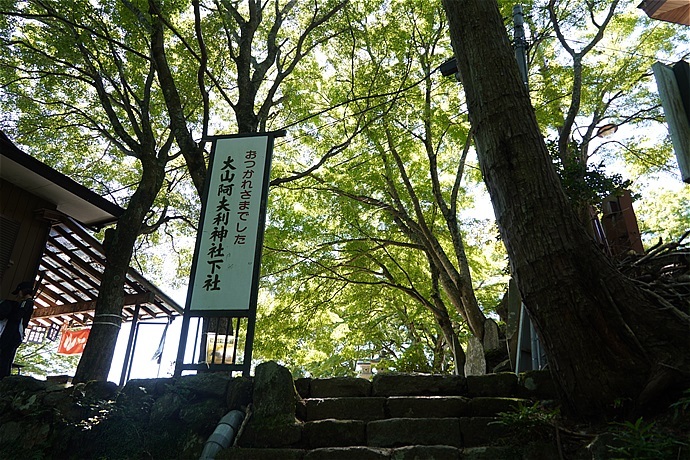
(463, 417)
(366, 452)
(531, 384)
(376, 408)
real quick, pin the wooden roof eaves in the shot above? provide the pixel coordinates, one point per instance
(13, 153)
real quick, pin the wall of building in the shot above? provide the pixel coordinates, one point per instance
(23, 236)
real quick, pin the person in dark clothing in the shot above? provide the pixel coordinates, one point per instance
(17, 315)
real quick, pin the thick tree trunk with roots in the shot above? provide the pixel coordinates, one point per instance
(606, 340)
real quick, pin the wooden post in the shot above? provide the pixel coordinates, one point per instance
(677, 119)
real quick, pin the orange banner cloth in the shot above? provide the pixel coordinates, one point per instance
(73, 342)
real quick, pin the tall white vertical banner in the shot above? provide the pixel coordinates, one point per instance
(226, 260)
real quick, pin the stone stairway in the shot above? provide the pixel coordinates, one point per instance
(401, 417)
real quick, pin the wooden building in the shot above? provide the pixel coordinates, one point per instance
(44, 237)
(676, 11)
(32, 197)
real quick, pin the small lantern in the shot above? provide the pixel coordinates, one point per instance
(364, 370)
(607, 130)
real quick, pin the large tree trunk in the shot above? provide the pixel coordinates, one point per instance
(459, 358)
(118, 245)
(606, 340)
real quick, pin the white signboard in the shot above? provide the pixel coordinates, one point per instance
(226, 258)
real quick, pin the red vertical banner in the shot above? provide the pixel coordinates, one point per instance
(72, 342)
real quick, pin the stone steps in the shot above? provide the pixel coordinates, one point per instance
(398, 432)
(378, 408)
(399, 416)
(440, 452)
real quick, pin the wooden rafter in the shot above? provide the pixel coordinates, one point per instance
(71, 271)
